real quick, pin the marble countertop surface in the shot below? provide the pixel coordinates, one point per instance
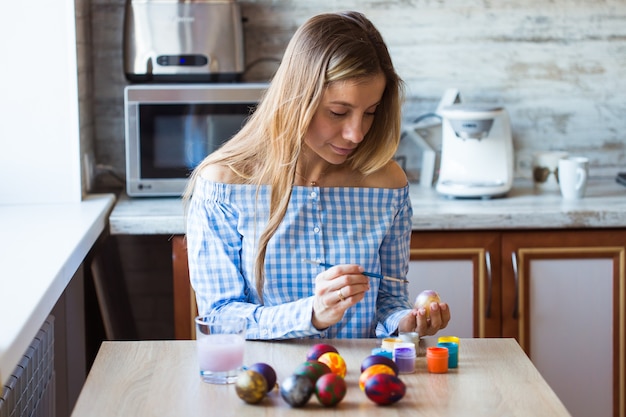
(604, 206)
(42, 248)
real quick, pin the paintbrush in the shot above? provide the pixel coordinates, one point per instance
(367, 274)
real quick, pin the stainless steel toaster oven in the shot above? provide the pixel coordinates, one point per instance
(183, 41)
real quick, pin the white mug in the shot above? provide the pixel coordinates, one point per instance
(573, 173)
(545, 170)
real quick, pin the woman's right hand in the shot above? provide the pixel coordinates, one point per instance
(337, 289)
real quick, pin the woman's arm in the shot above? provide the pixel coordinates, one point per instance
(214, 247)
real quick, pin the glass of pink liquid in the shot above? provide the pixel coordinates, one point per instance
(220, 341)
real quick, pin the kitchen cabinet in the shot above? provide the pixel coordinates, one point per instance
(564, 300)
(560, 294)
(464, 268)
(184, 298)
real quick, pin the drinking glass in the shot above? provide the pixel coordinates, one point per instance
(220, 341)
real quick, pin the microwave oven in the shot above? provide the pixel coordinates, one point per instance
(170, 128)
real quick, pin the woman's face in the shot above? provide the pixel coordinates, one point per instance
(344, 117)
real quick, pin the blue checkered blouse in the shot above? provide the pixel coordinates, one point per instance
(335, 225)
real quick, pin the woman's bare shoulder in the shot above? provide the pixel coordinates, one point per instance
(389, 176)
(220, 173)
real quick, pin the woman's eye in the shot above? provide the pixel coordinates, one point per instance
(337, 114)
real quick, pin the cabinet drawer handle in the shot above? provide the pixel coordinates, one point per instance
(489, 284)
(516, 279)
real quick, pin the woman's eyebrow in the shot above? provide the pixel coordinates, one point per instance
(347, 104)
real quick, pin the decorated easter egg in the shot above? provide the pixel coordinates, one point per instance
(374, 370)
(335, 362)
(330, 389)
(384, 389)
(267, 371)
(318, 350)
(251, 386)
(425, 299)
(296, 390)
(378, 359)
(312, 369)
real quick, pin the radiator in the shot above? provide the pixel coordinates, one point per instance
(30, 391)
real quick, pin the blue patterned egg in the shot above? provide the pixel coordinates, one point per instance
(384, 389)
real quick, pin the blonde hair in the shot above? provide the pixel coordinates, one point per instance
(327, 48)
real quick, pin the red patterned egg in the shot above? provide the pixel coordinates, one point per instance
(318, 350)
(312, 369)
(384, 389)
(330, 389)
(378, 360)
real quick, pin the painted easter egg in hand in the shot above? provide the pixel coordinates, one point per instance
(318, 350)
(251, 386)
(312, 369)
(425, 299)
(330, 389)
(384, 389)
(296, 390)
(335, 362)
(378, 359)
(267, 371)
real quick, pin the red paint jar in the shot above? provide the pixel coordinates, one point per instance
(437, 360)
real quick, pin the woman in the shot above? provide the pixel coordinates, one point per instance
(310, 177)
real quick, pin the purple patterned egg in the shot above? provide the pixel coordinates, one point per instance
(378, 360)
(384, 389)
(267, 371)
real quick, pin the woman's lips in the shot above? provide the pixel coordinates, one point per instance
(342, 151)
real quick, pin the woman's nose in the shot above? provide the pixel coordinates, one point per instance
(354, 130)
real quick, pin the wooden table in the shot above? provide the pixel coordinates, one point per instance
(160, 378)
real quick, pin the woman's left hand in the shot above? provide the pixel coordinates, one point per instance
(416, 320)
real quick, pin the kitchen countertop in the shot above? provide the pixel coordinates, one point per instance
(42, 248)
(604, 206)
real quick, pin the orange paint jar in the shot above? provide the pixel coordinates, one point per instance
(437, 359)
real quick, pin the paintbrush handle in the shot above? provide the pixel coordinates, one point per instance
(367, 274)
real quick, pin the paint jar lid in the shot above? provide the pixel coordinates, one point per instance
(404, 350)
(437, 352)
(412, 337)
(382, 352)
(389, 342)
(454, 339)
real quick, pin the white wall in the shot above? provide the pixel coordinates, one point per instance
(39, 124)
